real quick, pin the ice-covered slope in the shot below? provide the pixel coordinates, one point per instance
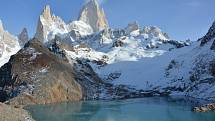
(137, 59)
(8, 45)
(81, 27)
(117, 45)
(194, 71)
(179, 68)
(144, 73)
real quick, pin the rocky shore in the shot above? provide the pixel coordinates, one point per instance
(9, 113)
(205, 108)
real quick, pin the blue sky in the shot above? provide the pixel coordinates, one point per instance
(181, 19)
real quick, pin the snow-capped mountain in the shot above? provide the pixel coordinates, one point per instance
(109, 63)
(49, 25)
(120, 56)
(9, 45)
(115, 52)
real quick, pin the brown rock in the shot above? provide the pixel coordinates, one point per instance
(205, 108)
(36, 76)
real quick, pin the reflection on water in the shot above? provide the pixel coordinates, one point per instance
(146, 109)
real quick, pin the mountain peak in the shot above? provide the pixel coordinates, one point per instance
(94, 15)
(49, 25)
(210, 35)
(47, 12)
(93, 2)
(23, 37)
(1, 26)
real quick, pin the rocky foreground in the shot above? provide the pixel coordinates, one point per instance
(205, 108)
(9, 113)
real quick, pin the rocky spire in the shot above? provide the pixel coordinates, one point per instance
(47, 13)
(1, 26)
(23, 37)
(45, 29)
(210, 35)
(44, 21)
(92, 14)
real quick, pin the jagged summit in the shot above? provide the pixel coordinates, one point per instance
(49, 25)
(23, 37)
(210, 35)
(1, 26)
(92, 14)
(46, 13)
(154, 31)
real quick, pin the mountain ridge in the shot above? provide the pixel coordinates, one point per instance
(93, 61)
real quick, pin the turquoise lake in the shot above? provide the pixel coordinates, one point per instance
(145, 109)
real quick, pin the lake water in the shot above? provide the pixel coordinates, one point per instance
(146, 109)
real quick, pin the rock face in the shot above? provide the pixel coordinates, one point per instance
(93, 15)
(210, 35)
(23, 37)
(49, 25)
(36, 76)
(8, 113)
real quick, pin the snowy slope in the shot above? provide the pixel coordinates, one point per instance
(9, 45)
(142, 58)
(141, 72)
(132, 62)
(194, 71)
(7, 51)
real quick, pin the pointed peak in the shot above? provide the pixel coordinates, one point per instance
(94, 15)
(95, 2)
(23, 37)
(47, 12)
(213, 25)
(210, 35)
(24, 30)
(1, 26)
